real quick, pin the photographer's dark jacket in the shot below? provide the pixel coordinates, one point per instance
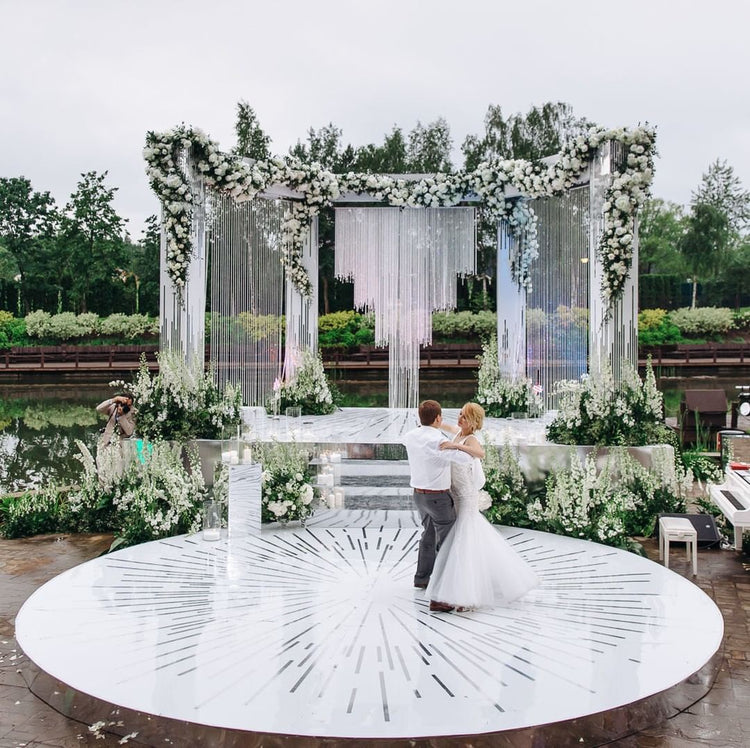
(122, 424)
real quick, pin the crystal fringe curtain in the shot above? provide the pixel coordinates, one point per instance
(511, 309)
(557, 309)
(247, 293)
(404, 263)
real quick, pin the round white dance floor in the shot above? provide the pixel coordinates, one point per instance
(318, 631)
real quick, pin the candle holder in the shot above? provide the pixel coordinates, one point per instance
(211, 520)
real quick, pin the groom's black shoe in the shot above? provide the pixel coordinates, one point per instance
(441, 607)
(420, 585)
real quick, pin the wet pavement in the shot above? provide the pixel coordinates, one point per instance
(721, 718)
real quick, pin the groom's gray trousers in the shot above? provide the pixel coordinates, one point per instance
(438, 515)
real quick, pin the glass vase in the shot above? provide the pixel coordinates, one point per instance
(211, 520)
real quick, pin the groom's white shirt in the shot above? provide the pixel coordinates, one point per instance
(430, 466)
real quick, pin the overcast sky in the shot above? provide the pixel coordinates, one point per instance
(82, 81)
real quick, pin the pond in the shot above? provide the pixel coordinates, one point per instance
(39, 424)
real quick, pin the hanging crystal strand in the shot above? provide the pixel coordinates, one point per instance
(558, 307)
(404, 263)
(246, 293)
(512, 334)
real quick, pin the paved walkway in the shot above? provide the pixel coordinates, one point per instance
(720, 719)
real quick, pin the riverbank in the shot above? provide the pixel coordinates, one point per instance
(722, 359)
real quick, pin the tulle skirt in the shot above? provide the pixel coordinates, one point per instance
(476, 567)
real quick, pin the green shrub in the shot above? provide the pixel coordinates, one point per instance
(742, 320)
(55, 328)
(331, 338)
(485, 324)
(260, 326)
(364, 336)
(12, 330)
(536, 320)
(345, 329)
(37, 323)
(709, 321)
(453, 325)
(128, 326)
(67, 325)
(655, 327)
(339, 321)
(457, 326)
(34, 513)
(650, 319)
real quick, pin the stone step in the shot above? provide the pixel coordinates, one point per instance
(384, 473)
(374, 484)
(361, 501)
(373, 467)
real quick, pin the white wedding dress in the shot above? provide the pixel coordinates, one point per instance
(476, 567)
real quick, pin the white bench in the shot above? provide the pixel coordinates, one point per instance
(678, 529)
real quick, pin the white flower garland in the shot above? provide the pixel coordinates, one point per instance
(319, 187)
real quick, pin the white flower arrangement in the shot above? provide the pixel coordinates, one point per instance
(142, 499)
(613, 504)
(182, 402)
(598, 410)
(308, 388)
(583, 502)
(164, 154)
(287, 492)
(499, 395)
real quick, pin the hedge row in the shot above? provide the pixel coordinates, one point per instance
(349, 328)
(658, 326)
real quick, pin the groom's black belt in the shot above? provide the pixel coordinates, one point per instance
(429, 490)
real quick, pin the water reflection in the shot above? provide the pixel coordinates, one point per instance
(673, 387)
(39, 424)
(38, 430)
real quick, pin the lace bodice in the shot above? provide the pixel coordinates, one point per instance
(465, 495)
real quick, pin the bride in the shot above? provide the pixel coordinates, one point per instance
(476, 567)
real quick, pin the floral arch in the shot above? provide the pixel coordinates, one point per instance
(566, 225)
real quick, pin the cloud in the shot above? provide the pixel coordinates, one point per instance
(83, 82)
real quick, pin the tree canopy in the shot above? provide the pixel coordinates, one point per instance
(252, 141)
(79, 258)
(540, 132)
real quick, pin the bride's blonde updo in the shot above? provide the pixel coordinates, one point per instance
(474, 415)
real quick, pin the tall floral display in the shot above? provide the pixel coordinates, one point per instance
(497, 394)
(599, 411)
(307, 389)
(182, 402)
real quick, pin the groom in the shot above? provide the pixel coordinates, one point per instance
(431, 480)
